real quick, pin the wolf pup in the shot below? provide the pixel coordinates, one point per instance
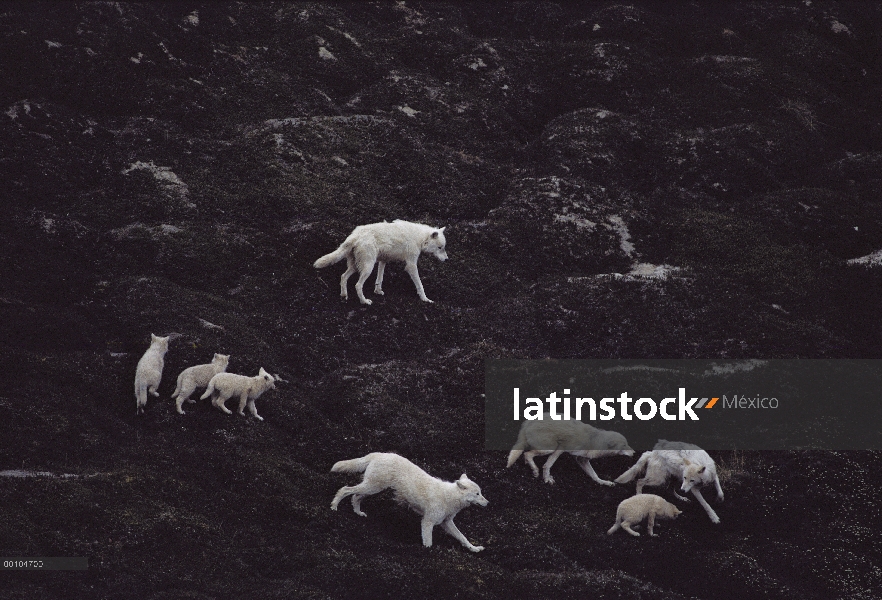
(381, 243)
(642, 506)
(583, 441)
(685, 461)
(149, 371)
(436, 500)
(197, 377)
(225, 385)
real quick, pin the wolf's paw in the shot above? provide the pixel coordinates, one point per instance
(361, 513)
(653, 535)
(367, 301)
(714, 519)
(720, 498)
(191, 401)
(683, 498)
(258, 417)
(379, 292)
(605, 482)
(333, 506)
(181, 411)
(427, 300)
(549, 479)
(476, 548)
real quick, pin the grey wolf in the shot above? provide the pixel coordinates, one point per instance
(225, 385)
(149, 371)
(547, 436)
(685, 461)
(437, 501)
(642, 506)
(197, 377)
(381, 243)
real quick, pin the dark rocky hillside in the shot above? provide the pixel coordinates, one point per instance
(658, 180)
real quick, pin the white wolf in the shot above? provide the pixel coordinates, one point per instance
(197, 377)
(149, 371)
(436, 500)
(636, 508)
(583, 441)
(382, 243)
(248, 389)
(686, 461)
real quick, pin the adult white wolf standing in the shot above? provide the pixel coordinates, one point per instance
(196, 377)
(148, 375)
(687, 461)
(382, 243)
(436, 500)
(547, 436)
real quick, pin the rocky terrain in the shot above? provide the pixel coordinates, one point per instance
(642, 180)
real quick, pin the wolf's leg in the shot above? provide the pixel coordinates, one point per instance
(683, 498)
(546, 468)
(253, 410)
(243, 399)
(528, 458)
(627, 527)
(411, 268)
(365, 263)
(184, 394)
(450, 527)
(651, 524)
(361, 490)
(378, 286)
(350, 270)
(719, 489)
(427, 526)
(710, 512)
(586, 466)
(220, 403)
(640, 484)
(152, 390)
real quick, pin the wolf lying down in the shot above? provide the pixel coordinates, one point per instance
(437, 501)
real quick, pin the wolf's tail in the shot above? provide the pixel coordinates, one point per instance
(356, 465)
(334, 257)
(140, 396)
(518, 448)
(615, 527)
(178, 387)
(208, 391)
(634, 471)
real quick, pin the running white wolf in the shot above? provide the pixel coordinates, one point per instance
(583, 441)
(687, 461)
(642, 506)
(437, 501)
(225, 385)
(148, 375)
(381, 243)
(197, 377)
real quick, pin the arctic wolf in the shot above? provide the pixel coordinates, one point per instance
(248, 389)
(636, 508)
(382, 243)
(686, 461)
(149, 371)
(583, 441)
(436, 500)
(197, 377)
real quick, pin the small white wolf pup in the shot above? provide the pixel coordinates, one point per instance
(248, 389)
(381, 243)
(436, 500)
(636, 508)
(687, 461)
(197, 377)
(149, 371)
(583, 441)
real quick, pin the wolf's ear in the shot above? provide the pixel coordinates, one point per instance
(702, 469)
(460, 483)
(434, 235)
(153, 337)
(442, 229)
